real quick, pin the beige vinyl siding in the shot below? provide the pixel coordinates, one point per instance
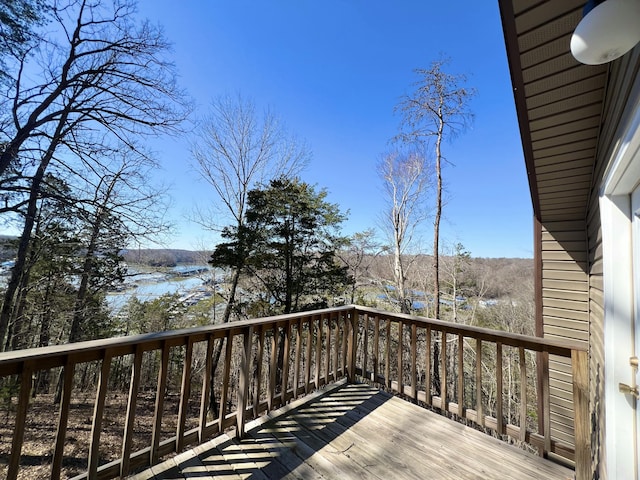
(565, 311)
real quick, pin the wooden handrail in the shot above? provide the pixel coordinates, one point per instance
(279, 358)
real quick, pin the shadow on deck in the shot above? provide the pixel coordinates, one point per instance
(356, 431)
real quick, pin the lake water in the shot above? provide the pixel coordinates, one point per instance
(148, 286)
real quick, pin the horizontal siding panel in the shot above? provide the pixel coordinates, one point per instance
(563, 413)
(569, 246)
(565, 285)
(562, 428)
(562, 235)
(561, 390)
(567, 266)
(561, 365)
(566, 310)
(566, 333)
(552, 293)
(564, 275)
(561, 255)
(562, 402)
(571, 226)
(579, 343)
(563, 437)
(597, 281)
(561, 386)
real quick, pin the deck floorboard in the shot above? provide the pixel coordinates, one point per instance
(357, 432)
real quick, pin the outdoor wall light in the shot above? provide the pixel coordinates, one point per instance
(608, 30)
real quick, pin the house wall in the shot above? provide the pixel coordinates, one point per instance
(623, 75)
(565, 311)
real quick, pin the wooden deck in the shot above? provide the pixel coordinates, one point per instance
(356, 431)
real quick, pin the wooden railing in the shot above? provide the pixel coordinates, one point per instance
(263, 365)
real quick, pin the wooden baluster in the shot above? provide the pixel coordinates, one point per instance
(96, 428)
(134, 383)
(352, 326)
(21, 416)
(318, 328)
(376, 348)
(258, 386)
(63, 418)
(461, 409)
(224, 394)
(327, 359)
(414, 358)
(346, 335)
(273, 367)
(296, 367)
(206, 384)
(285, 364)
(336, 350)
(499, 388)
(365, 346)
(523, 395)
(546, 403)
(400, 352)
(427, 368)
(479, 406)
(185, 393)
(307, 362)
(443, 374)
(159, 408)
(245, 379)
(387, 355)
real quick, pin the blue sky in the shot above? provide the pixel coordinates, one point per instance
(333, 71)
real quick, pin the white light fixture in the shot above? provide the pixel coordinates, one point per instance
(608, 30)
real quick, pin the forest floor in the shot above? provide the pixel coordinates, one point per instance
(40, 432)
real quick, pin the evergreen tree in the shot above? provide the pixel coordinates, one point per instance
(288, 244)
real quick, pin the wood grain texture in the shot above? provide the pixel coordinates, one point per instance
(356, 432)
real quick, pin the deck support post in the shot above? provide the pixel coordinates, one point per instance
(245, 379)
(580, 370)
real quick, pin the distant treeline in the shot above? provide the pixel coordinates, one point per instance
(162, 257)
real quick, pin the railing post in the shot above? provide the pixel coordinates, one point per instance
(245, 378)
(580, 371)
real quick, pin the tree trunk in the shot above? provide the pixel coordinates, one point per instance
(217, 350)
(8, 304)
(436, 252)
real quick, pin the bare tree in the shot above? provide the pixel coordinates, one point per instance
(96, 81)
(406, 180)
(438, 108)
(236, 150)
(358, 256)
